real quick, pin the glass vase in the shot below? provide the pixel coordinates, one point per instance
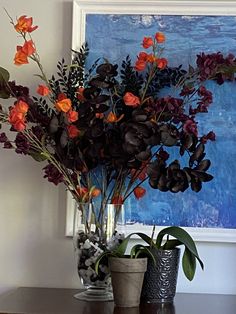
(93, 233)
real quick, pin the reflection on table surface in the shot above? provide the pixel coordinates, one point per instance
(165, 308)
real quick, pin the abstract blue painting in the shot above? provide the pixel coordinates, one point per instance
(114, 36)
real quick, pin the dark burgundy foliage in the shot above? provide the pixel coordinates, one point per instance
(52, 174)
(140, 135)
(22, 144)
(7, 144)
(215, 66)
(3, 137)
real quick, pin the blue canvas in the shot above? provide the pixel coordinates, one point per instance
(114, 37)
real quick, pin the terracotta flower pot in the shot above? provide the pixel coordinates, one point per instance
(127, 279)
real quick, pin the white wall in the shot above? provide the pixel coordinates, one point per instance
(33, 249)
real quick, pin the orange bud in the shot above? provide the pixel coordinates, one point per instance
(72, 116)
(19, 125)
(131, 100)
(160, 37)
(20, 58)
(95, 192)
(43, 90)
(82, 191)
(142, 56)
(112, 117)
(161, 63)
(63, 105)
(73, 131)
(21, 107)
(147, 42)
(151, 58)
(15, 115)
(24, 25)
(139, 192)
(28, 48)
(140, 65)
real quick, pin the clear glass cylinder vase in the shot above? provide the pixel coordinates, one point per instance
(94, 232)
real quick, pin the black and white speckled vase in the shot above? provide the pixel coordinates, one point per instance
(160, 280)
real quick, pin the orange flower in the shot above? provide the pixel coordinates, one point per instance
(112, 117)
(142, 56)
(21, 107)
(72, 116)
(82, 191)
(73, 131)
(131, 100)
(161, 63)
(64, 105)
(151, 58)
(15, 115)
(117, 200)
(20, 58)
(43, 90)
(139, 192)
(24, 25)
(160, 37)
(23, 52)
(147, 42)
(28, 48)
(140, 65)
(95, 192)
(80, 95)
(19, 125)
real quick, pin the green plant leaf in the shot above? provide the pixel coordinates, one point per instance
(182, 236)
(190, 254)
(146, 252)
(189, 264)
(135, 250)
(4, 78)
(4, 75)
(145, 238)
(171, 244)
(100, 258)
(120, 251)
(38, 156)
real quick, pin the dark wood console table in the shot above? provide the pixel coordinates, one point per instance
(61, 301)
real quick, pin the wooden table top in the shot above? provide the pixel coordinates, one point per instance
(61, 301)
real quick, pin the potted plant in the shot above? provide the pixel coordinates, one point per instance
(159, 284)
(161, 277)
(127, 272)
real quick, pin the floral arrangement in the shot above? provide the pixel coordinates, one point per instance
(106, 130)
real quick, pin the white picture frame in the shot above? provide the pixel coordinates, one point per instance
(154, 7)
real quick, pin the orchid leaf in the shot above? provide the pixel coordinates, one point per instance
(189, 264)
(181, 235)
(171, 244)
(135, 250)
(100, 258)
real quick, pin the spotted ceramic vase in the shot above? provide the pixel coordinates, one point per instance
(160, 279)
